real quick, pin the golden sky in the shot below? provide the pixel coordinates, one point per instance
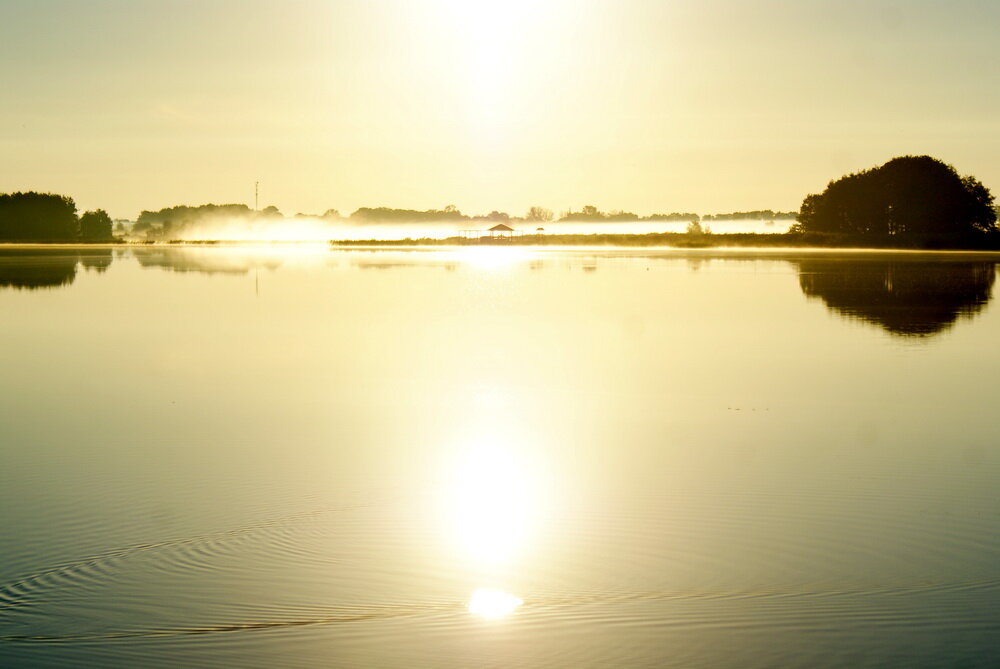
(643, 105)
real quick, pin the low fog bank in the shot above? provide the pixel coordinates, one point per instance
(231, 222)
(237, 222)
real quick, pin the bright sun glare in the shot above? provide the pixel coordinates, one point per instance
(503, 47)
(491, 504)
(492, 604)
(492, 257)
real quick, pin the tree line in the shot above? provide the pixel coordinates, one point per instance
(587, 213)
(756, 215)
(171, 221)
(910, 201)
(46, 217)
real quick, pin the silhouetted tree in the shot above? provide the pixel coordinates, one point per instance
(905, 297)
(37, 217)
(494, 216)
(913, 198)
(95, 226)
(174, 220)
(590, 213)
(389, 215)
(673, 216)
(539, 215)
(755, 215)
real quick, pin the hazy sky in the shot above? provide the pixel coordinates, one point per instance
(644, 105)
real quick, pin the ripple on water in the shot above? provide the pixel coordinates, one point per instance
(303, 572)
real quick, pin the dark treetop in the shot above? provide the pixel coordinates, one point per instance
(46, 217)
(913, 200)
(37, 217)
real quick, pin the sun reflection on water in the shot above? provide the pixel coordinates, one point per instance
(493, 257)
(493, 604)
(493, 503)
(495, 498)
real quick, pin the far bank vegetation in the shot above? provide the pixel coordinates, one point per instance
(908, 202)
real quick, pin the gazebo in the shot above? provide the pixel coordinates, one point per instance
(501, 230)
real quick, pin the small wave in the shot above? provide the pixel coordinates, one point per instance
(197, 552)
(547, 607)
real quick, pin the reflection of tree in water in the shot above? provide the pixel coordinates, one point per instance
(97, 259)
(406, 263)
(205, 261)
(908, 298)
(37, 268)
(695, 263)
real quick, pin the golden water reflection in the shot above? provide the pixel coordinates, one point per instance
(493, 508)
(493, 502)
(664, 464)
(493, 604)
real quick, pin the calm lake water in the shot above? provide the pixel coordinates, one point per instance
(304, 457)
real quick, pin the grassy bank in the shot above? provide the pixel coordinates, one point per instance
(684, 240)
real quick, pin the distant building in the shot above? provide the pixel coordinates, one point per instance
(498, 233)
(501, 230)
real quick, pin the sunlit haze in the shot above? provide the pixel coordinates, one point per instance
(632, 104)
(477, 333)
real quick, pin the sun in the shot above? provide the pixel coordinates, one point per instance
(500, 57)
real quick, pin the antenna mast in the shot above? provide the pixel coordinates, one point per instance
(256, 192)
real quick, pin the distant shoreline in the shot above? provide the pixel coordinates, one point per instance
(667, 240)
(681, 240)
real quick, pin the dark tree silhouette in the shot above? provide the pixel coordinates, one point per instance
(95, 226)
(37, 217)
(494, 216)
(695, 229)
(592, 214)
(909, 298)
(674, 216)
(174, 220)
(913, 200)
(539, 215)
(389, 215)
(756, 215)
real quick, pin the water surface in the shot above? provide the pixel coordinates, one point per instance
(306, 457)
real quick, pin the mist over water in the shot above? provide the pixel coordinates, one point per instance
(305, 229)
(299, 456)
